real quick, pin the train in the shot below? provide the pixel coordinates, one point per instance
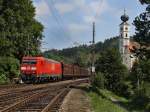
(41, 69)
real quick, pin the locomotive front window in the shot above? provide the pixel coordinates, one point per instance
(29, 62)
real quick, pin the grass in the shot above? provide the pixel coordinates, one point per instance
(109, 94)
(100, 102)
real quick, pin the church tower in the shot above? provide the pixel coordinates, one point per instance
(124, 39)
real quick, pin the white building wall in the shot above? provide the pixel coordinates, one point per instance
(124, 44)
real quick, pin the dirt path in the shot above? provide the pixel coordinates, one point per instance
(76, 101)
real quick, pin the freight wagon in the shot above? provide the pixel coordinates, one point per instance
(40, 69)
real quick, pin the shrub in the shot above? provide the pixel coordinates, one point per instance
(99, 80)
(9, 68)
(140, 100)
(124, 89)
(3, 79)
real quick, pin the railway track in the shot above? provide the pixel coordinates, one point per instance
(12, 86)
(42, 99)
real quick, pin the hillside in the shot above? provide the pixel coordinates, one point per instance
(81, 55)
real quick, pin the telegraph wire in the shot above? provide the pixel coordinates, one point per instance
(58, 20)
(101, 2)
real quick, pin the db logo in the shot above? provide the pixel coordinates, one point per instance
(53, 67)
(28, 68)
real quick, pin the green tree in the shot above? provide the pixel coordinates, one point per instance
(142, 23)
(142, 36)
(9, 68)
(114, 71)
(140, 74)
(20, 33)
(99, 80)
(145, 1)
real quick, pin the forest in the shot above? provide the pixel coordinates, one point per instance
(21, 35)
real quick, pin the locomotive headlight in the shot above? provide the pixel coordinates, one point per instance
(23, 68)
(33, 68)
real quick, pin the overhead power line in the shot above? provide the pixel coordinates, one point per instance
(101, 2)
(58, 18)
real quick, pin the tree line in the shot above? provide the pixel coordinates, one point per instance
(20, 35)
(133, 84)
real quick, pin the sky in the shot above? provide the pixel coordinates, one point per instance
(68, 23)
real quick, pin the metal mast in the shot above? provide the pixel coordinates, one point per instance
(93, 48)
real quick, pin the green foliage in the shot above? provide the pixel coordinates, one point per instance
(3, 79)
(145, 1)
(148, 107)
(140, 73)
(76, 55)
(99, 80)
(145, 67)
(115, 73)
(81, 55)
(111, 43)
(140, 101)
(140, 76)
(9, 68)
(20, 33)
(101, 103)
(142, 36)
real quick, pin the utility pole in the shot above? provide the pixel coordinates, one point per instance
(28, 52)
(93, 52)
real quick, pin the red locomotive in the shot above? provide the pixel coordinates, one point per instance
(39, 69)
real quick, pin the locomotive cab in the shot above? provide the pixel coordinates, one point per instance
(28, 69)
(40, 69)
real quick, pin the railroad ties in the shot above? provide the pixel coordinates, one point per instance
(41, 98)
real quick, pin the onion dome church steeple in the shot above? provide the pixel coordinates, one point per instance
(124, 42)
(125, 17)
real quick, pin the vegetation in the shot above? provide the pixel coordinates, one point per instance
(81, 55)
(99, 81)
(140, 74)
(9, 68)
(20, 34)
(136, 85)
(101, 102)
(115, 73)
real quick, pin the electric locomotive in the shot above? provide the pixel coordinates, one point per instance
(40, 69)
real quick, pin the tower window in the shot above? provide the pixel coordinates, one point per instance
(126, 35)
(121, 34)
(121, 29)
(126, 28)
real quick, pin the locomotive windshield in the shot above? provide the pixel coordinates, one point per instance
(29, 62)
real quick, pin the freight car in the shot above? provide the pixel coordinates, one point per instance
(40, 69)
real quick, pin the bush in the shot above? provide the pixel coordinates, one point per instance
(140, 100)
(9, 68)
(99, 80)
(124, 89)
(148, 107)
(3, 79)
(115, 73)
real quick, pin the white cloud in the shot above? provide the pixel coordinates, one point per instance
(64, 7)
(88, 9)
(89, 19)
(77, 29)
(42, 8)
(79, 3)
(96, 8)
